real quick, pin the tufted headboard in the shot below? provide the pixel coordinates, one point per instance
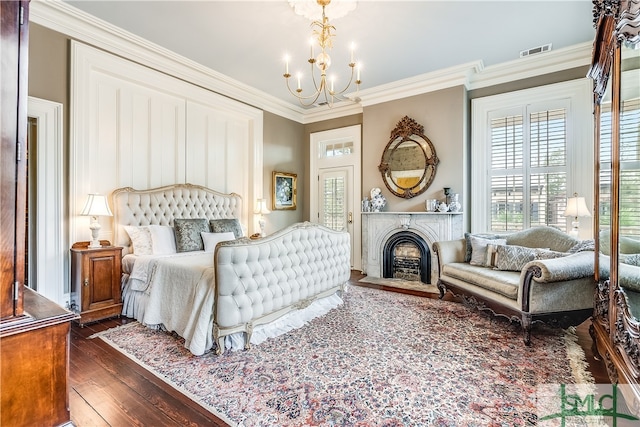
(160, 206)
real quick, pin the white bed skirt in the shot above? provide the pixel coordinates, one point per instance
(293, 320)
(134, 303)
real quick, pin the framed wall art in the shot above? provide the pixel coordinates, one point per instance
(284, 191)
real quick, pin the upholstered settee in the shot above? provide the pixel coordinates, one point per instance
(538, 274)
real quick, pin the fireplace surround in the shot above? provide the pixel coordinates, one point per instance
(382, 230)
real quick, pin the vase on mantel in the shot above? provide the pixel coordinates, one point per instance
(454, 204)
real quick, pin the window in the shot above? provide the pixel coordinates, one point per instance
(529, 151)
(629, 166)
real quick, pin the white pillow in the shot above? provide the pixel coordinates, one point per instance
(212, 239)
(163, 240)
(140, 239)
(479, 250)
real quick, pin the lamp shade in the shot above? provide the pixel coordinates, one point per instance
(96, 205)
(576, 207)
(261, 207)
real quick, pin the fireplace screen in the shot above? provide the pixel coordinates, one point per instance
(407, 256)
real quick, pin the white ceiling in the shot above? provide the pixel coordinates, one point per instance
(247, 40)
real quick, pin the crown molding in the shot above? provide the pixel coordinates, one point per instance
(66, 19)
(536, 65)
(81, 26)
(342, 109)
(423, 83)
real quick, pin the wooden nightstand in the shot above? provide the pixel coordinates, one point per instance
(95, 281)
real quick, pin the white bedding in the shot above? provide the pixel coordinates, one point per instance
(178, 293)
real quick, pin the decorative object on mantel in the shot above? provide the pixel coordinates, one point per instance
(323, 34)
(431, 205)
(451, 202)
(409, 160)
(377, 200)
(96, 206)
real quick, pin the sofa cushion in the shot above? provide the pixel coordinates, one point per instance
(542, 237)
(502, 282)
(479, 255)
(467, 238)
(513, 257)
(583, 245)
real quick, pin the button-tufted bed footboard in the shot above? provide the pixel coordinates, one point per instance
(207, 296)
(258, 281)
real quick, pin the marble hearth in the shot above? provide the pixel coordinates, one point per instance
(379, 227)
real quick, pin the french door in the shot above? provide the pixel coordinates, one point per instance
(335, 200)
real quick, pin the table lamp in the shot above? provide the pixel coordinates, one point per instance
(96, 206)
(576, 208)
(262, 210)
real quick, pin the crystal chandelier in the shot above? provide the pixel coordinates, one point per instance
(323, 34)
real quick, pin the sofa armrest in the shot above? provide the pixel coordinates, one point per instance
(449, 251)
(576, 266)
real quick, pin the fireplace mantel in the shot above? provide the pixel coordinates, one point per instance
(378, 227)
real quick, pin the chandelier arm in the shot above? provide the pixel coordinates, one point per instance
(340, 92)
(314, 97)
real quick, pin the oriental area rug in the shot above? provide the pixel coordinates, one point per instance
(379, 359)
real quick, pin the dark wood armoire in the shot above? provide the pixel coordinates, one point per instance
(615, 70)
(34, 331)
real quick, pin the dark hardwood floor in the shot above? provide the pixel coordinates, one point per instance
(108, 389)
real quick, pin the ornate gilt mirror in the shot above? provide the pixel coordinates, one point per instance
(409, 160)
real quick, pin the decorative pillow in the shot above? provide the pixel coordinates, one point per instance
(631, 259)
(479, 249)
(513, 257)
(188, 237)
(212, 239)
(140, 239)
(491, 255)
(583, 245)
(163, 240)
(549, 254)
(224, 225)
(467, 237)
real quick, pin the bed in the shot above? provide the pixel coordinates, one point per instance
(232, 291)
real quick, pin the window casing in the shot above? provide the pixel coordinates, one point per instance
(531, 150)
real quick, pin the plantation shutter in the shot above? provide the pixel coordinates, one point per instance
(528, 169)
(334, 211)
(629, 167)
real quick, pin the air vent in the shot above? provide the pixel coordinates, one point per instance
(534, 50)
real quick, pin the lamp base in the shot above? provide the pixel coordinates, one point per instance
(261, 223)
(575, 231)
(95, 231)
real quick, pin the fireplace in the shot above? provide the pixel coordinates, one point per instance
(406, 256)
(411, 235)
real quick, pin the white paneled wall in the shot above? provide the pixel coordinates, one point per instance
(133, 126)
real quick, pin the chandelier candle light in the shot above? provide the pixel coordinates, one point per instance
(576, 208)
(324, 37)
(96, 206)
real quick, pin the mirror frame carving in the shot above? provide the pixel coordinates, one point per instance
(614, 330)
(404, 131)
